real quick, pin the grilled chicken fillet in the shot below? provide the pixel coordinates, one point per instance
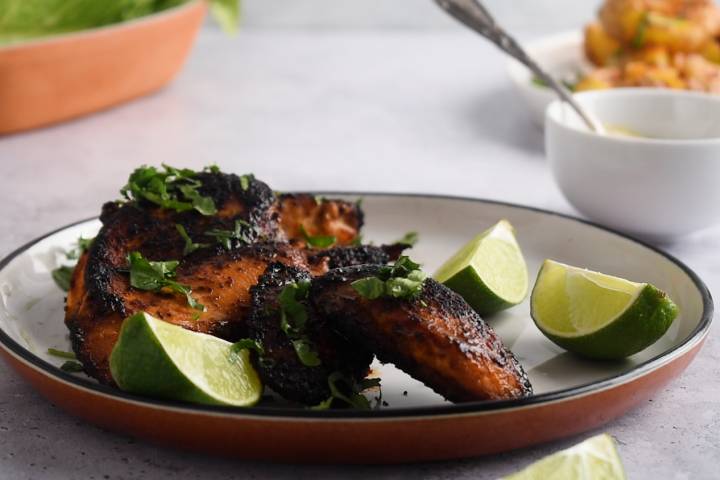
(100, 296)
(435, 337)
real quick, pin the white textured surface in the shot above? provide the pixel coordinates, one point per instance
(394, 111)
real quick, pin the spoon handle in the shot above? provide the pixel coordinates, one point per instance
(475, 16)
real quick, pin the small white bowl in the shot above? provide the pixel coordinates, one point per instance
(561, 55)
(661, 186)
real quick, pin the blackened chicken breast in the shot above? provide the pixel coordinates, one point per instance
(435, 337)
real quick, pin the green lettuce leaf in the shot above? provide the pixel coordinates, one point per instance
(27, 19)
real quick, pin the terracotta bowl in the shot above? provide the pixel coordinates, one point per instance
(54, 79)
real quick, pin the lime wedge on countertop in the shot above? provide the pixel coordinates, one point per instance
(489, 272)
(597, 315)
(594, 459)
(156, 358)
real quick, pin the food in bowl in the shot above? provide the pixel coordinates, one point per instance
(654, 43)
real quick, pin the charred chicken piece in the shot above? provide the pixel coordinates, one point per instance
(101, 297)
(299, 351)
(436, 336)
(303, 215)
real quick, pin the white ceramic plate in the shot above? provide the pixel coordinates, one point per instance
(31, 321)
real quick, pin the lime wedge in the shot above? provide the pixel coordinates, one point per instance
(594, 459)
(597, 315)
(489, 272)
(156, 358)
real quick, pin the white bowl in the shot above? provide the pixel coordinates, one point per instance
(561, 55)
(661, 186)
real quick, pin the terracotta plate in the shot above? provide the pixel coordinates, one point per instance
(572, 395)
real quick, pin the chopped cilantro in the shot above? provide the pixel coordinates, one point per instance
(404, 280)
(317, 241)
(61, 353)
(245, 181)
(172, 188)
(243, 233)
(293, 320)
(357, 241)
(190, 246)
(348, 391)
(212, 168)
(247, 344)
(638, 40)
(62, 276)
(72, 366)
(409, 239)
(157, 276)
(83, 244)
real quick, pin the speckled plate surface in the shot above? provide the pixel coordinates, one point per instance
(571, 395)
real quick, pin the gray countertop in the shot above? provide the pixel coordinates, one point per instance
(405, 111)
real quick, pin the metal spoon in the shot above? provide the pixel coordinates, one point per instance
(475, 16)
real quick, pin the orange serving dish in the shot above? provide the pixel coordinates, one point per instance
(53, 79)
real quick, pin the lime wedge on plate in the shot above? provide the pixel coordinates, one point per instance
(156, 358)
(597, 315)
(594, 459)
(489, 272)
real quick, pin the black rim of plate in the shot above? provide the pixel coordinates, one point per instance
(395, 413)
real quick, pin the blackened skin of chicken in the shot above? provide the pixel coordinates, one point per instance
(339, 257)
(279, 367)
(436, 337)
(336, 218)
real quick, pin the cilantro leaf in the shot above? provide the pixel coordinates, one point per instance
(357, 241)
(402, 280)
(62, 276)
(317, 241)
(190, 246)
(348, 391)
(61, 353)
(83, 244)
(72, 366)
(248, 344)
(245, 181)
(243, 233)
(172, 188)
(409, 239)
(293, 320)
(156, 276)
(370, 287)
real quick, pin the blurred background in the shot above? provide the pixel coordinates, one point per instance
(527, 17)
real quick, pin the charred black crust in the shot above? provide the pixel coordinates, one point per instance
(339, 257)
(279, 367)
